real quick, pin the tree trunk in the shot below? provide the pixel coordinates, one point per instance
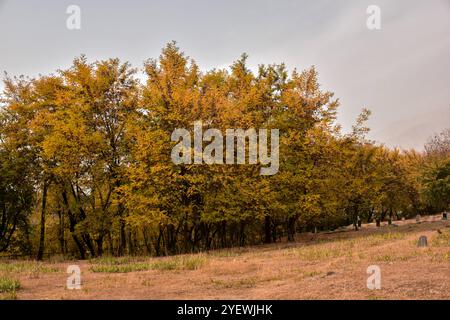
(223, 234)
(99, 242)
(88, 241)
(267, 229)
(40, 253)
(274, 232)
(146, 241)
(171, 239)
(158, 242)
(61, 232)
(122, 240)
(370, 215)
(355, 218)
(72, 223)
(130, 250)
(291, 228)
(242, 234)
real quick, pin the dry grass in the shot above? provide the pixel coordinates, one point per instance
(26, 267)
(133, 264)
(8, 288)
(324, 265)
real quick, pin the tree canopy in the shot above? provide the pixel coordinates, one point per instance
(85, 161)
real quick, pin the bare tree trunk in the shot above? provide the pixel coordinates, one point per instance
(99, 242)
(267, 229)
(122, 238)
(158, 242)
(61, 232)
(355, 217)
(146, 242)
(130, 250)
(40, 253)
(223, 234)
(72, 223)
(291, 228)
(370, 215)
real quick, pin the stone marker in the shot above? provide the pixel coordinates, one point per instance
(422, 241)
(445, 216)
(403, 219)
(418, 218)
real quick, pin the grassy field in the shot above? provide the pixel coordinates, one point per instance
(316, 266)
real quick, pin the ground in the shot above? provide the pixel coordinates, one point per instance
(316, 266)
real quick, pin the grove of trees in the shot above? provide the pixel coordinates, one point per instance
(85, 167)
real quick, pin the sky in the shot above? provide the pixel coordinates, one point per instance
(400, 72)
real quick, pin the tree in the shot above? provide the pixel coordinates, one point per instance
(437, 187)
(90, 147)
(16, 196)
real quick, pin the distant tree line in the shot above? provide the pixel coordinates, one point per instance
(85, 167)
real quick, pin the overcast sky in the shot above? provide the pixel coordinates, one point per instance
(401, 72)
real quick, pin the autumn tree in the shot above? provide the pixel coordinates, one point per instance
(87, 153)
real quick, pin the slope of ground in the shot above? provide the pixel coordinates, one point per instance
(316, 266)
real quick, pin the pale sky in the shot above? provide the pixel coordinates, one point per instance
(401, 72)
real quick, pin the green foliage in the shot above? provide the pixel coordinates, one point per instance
(121, 268)
(8, 285)
(121, 265)
(26, 267)
(182, 263)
